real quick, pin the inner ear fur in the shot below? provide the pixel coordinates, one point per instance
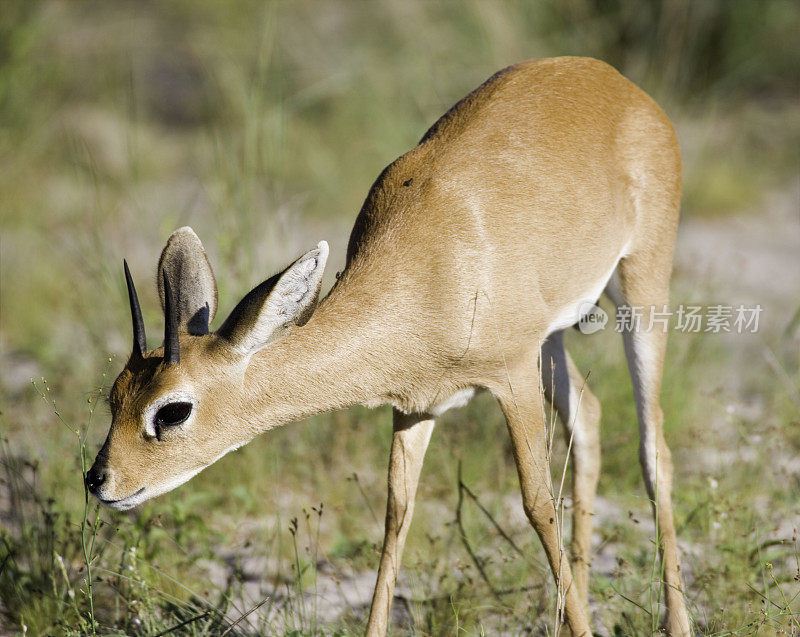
(191, 279)
(286, 299)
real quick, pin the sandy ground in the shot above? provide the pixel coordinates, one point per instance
(749, 258)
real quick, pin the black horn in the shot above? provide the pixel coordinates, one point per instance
(172, 354)
(139, 338)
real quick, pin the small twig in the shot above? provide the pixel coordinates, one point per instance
(244, 616)
(786, 603)
(429, 601)
(186, 622)
(629, 600)
(354, 478)
(764, 597)
(465, 541)
(494, 522)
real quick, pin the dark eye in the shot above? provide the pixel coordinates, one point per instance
(173, 414)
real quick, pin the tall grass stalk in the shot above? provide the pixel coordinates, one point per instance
(299, 571)
(88, 529)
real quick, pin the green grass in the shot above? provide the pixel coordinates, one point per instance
(262, 125)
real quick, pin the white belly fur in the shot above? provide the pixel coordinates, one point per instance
(459, 399)
(572, 312)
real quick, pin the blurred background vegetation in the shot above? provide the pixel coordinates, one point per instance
(262, 125)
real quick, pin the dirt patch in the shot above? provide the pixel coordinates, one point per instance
(748, 258)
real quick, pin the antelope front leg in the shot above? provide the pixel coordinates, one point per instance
(522, 407)
(579, 410)
(409, 442)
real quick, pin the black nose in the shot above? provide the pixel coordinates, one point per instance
(94, 479)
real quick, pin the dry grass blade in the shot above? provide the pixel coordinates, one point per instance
(244, 616)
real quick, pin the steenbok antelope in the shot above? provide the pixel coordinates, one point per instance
(552, 182)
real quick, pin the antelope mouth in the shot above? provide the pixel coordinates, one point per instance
(123, 504)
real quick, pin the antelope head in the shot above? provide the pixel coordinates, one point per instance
(177, 409)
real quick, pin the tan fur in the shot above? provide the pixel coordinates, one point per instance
(469, 252)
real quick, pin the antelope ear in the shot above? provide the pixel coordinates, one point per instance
(269, 310)
(192, 280)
